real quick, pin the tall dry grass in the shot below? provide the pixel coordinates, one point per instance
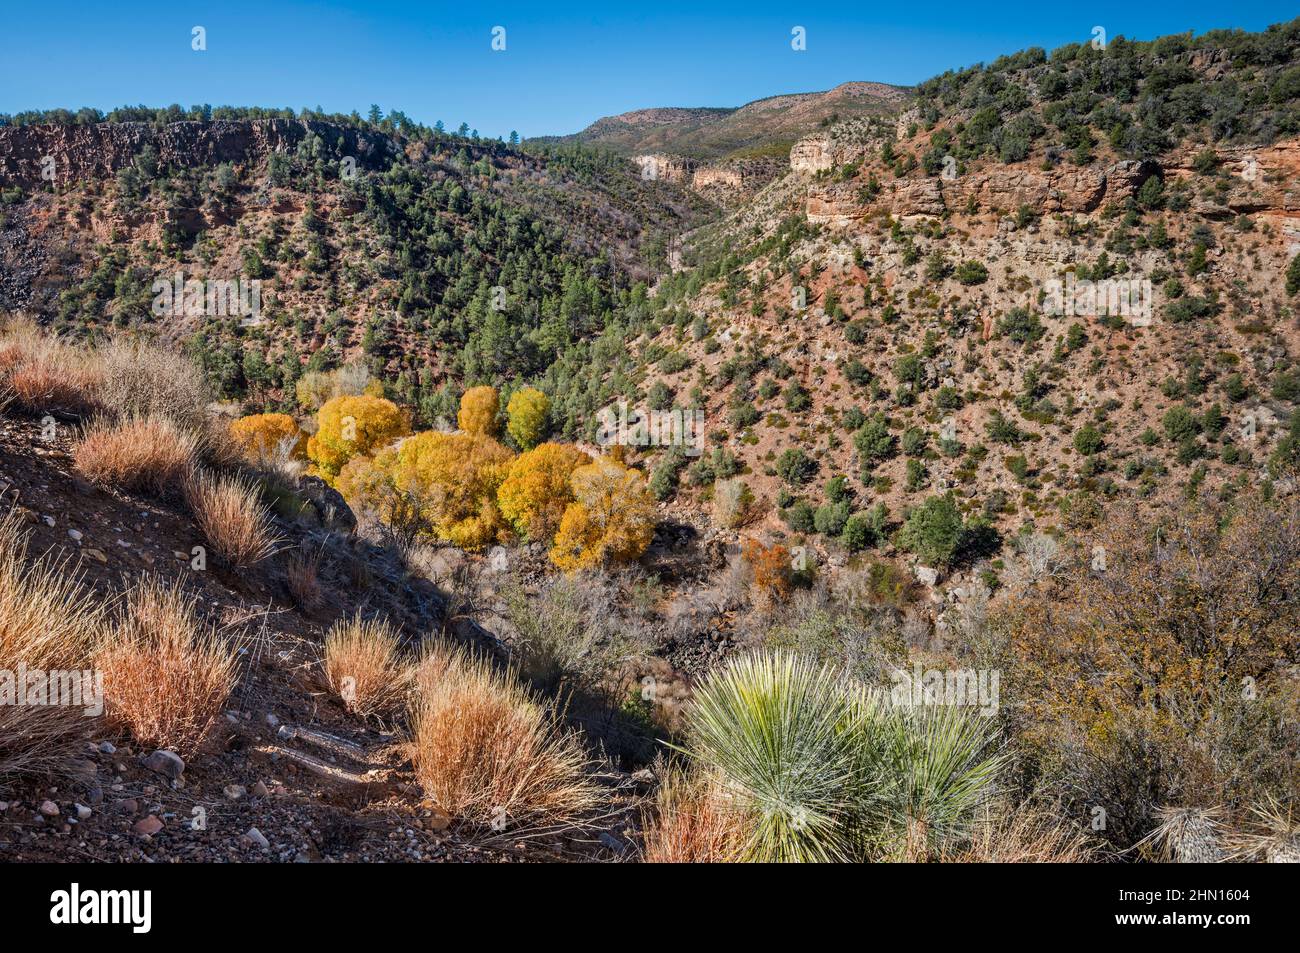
(139, 379)
(45, 374)
(167, 676)
(486, 751)
(230, 513)
(363, 665)
(48, 620)
(140, 454)
(1027, 833)
(692, 822)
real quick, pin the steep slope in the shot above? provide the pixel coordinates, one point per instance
(884, 311)
(368, 242)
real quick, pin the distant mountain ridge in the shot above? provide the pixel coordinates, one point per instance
(711, 133)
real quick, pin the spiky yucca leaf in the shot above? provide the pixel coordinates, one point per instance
(784, 733)
(935, 766)
(1187, 835)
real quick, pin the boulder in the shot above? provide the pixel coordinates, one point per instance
(325, 505)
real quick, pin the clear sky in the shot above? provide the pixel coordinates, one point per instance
(563, 66)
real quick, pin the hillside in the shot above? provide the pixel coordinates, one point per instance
(874, 475)
(369, 244)
(757, 127)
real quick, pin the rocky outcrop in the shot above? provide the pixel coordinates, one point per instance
(730, 182)
(812, 154)
(661, 167)
(996, 187)
(32, 155)
(844, 143)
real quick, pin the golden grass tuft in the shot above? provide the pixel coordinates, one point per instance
(363, 665)
(166, 675)
(45, 374)
(692, 822)
(230, 513)
(140, 454)
(487, 752)
(48, 621)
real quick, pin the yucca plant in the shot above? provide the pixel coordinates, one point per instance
(934, 766)
(825, 770)
(784, 734)
(1187, 835)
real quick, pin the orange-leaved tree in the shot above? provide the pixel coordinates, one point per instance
(526, 416)
(611, 520)
(455, 476)
(353, 425)
(478, 411)
(536, 489)
(772, 568)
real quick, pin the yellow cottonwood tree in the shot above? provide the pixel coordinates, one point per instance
(478, 411)
(611, 520)
(526, 416)
(260, 436)
(455, 476)
(536, 489)
(353, 425)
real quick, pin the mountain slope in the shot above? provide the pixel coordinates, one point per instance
(763, 125)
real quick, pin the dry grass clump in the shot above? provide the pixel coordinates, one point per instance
(45, 374)
(303, 574)
(166, 676)
(1272, 835)
(140, 454)
(141, 379)
(1021, 834)
(229, 511)
(486, 751)
(363, 665)
(48, 621)
(693, 822)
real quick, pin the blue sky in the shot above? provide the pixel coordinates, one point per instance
(563, 67)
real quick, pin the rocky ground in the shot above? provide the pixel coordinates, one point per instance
(288, 774)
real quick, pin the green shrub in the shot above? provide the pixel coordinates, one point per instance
(829, 519)
(933, 530)
(796, 467)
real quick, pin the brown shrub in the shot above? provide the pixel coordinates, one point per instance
(166, 676)
(1021, 834)
(486, 751)
(363, 666)
(147, 454)
(48, 620)
(773, 569)
(141, 379)
(229, 511)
